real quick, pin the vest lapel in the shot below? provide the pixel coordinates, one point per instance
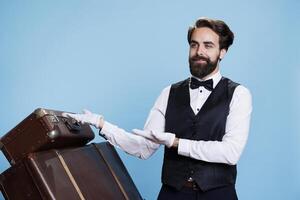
(214, 97)
(183, 98)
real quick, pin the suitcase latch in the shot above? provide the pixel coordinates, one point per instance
(73, 125)
(53, 134)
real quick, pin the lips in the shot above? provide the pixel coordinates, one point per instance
(200, 59)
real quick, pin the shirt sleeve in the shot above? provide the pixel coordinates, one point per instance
(228, 150)
(134, 144)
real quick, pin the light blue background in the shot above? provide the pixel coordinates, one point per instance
(114, 57)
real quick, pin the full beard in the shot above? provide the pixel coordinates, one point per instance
(201, 70)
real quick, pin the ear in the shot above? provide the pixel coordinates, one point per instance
(222, 53)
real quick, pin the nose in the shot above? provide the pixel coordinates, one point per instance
(200, 50)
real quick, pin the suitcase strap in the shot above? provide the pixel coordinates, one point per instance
(65, 166)
(113, 173)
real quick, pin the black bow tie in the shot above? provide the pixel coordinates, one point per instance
(208, 84)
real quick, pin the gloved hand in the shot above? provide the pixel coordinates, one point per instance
(87, 117)
(157, 137)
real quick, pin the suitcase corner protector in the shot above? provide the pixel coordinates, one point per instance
(40, 112)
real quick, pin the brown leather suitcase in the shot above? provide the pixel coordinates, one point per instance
(41, 130)
(92, 172)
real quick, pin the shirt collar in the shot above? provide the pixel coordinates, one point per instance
(215, 77)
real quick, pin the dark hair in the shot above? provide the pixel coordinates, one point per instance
(226, 36)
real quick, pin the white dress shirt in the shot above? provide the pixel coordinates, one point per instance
(227, 151)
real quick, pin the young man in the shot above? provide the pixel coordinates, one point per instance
(203, 122)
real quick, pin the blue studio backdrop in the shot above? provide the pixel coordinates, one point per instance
(114, 58)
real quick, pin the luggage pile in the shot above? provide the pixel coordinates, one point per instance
(50, 159)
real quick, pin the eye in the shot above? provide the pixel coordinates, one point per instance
(193, 45)
(208, 46)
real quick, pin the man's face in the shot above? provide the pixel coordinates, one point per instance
(204, 52)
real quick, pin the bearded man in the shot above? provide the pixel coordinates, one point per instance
(202, 121)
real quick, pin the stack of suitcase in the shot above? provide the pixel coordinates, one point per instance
(50, 160)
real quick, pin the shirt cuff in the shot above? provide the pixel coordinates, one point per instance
(184, 147)
(106, 130)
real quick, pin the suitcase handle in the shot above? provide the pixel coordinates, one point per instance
(73, 125)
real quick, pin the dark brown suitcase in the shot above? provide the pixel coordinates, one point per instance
(42, 130)
(92, 172)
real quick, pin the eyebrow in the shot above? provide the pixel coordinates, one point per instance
(193, 41)
(209, 42)
(205, 42)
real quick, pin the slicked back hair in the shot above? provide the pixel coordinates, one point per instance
(226, 36)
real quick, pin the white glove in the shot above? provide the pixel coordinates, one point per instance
(157, 137)
(87, 117)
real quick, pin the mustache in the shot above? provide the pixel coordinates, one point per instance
(195, 58)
